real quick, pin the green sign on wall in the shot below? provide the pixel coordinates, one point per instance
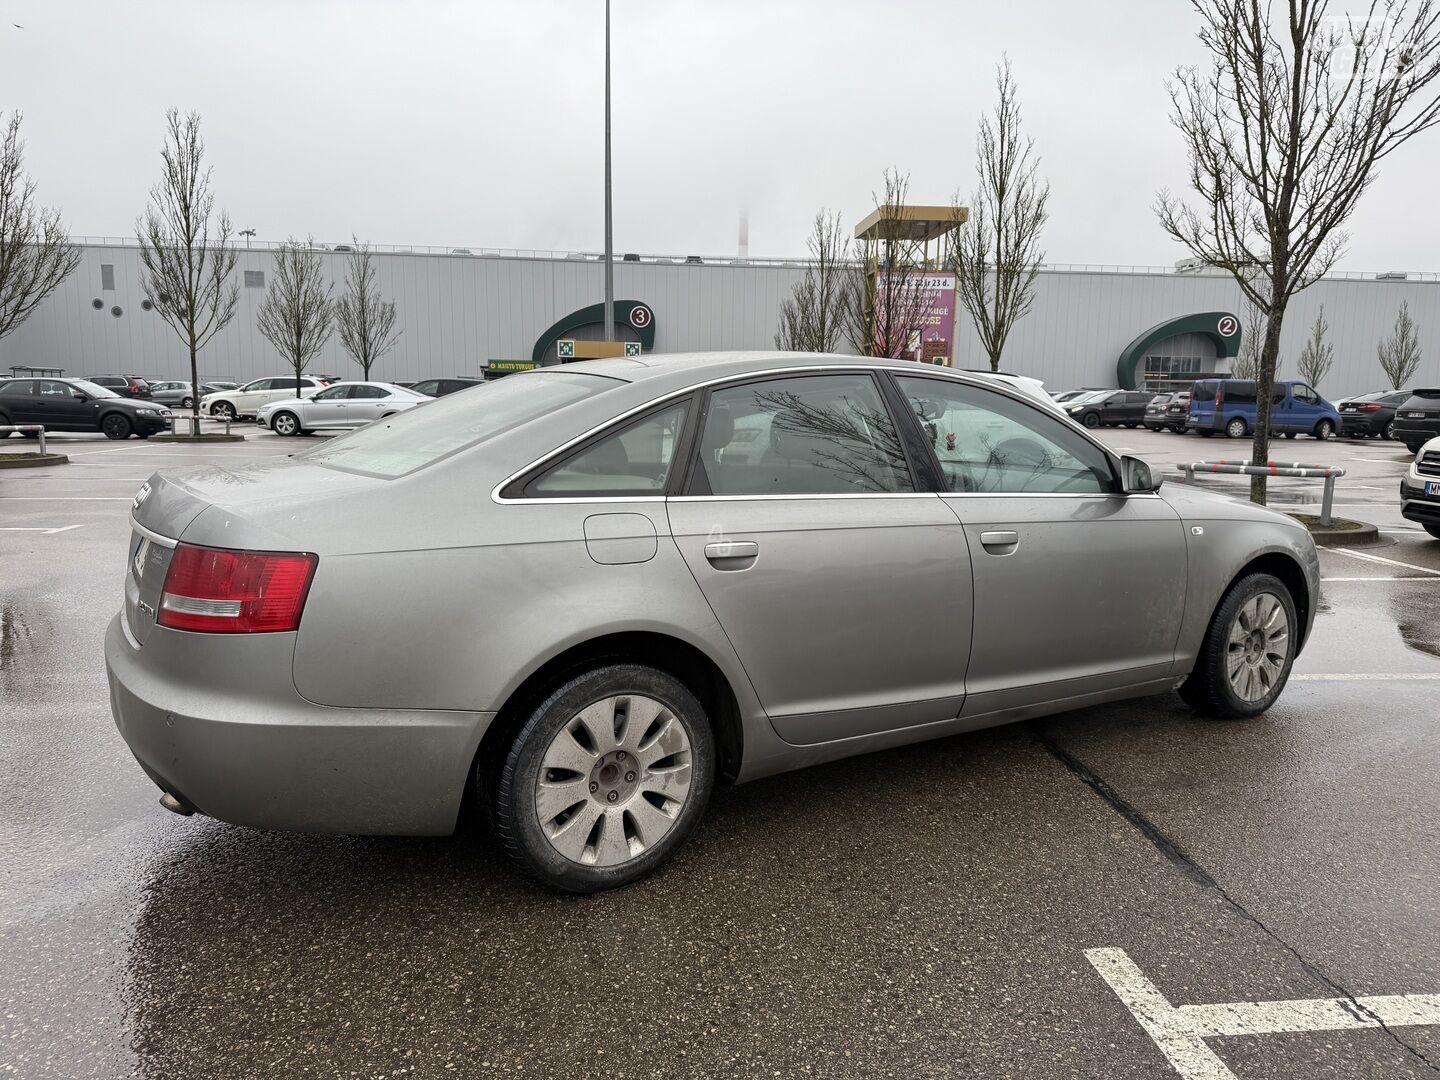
(507, 366)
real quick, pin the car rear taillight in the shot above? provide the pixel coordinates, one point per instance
(1371, 407)
(1219, 395)
(215, 591)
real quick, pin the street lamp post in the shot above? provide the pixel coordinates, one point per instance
(609, 238)
(247, 233)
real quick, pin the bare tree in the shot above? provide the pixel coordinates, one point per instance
(366, 320)
(996, 255)
(1399, 354)
(817, 315)
(1318, 355)
(891, 297)
(35, 250)
(188, 262)
(1284, 128)
(297, 313)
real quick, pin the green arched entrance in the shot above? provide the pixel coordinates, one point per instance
(1221, 327)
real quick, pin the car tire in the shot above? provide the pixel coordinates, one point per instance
(1236, 429)
(1237, 673)
(1181, 430)
(223, 410)
(287, 423)
(1389, 432)
(1432, 528)
(116, 426)
(1414, 448)
(1289, 434)
(1153, 427)
(614, 806)
(1090, 420)
(1323, 430)
(187, 403)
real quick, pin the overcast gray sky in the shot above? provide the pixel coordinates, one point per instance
(479, 123)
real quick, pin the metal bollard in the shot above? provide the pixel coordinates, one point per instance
(227, 423)
(1327, 499)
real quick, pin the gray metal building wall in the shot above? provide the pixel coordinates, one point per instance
(457, 311)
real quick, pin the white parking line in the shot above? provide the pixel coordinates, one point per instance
(1409, 676)
(1180, 1031)
(39, 529)
(1381, 578)
(1379, 559)
(68, 498)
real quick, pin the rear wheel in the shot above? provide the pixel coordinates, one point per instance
(1433, 529)
(1290, 434)
(1324, 429)
(606, 779)
(1389, 432)
(285, 423)
(187, 403)
(1236, 429)
(116, 426)
(1091, 420)
(1247, 652)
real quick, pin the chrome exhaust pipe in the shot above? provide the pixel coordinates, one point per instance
(174, 805)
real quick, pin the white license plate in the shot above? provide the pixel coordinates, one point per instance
(1416, 415)
(1432, 487)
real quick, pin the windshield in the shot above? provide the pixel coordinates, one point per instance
(1089, 395)
(421, 436)
(95, 390)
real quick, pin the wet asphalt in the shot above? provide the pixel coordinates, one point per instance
(917, 913)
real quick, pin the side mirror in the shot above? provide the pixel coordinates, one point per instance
(81, 397)
(1137, 477)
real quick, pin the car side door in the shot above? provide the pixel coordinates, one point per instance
(365, 404)
(60, 407)
(327, 409)
(250, 396)
(19, 401)
(844, 589)
(1074, 581)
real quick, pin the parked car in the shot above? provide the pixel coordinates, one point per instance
(587, 651)
(247, 400)
(1155, 411)
(178, 394)
(1228, 406)
(1371, 416)
(1420, 488)
(130, 386)
(1109, 408)
(79, 405)
(344, 405)
(441, 387)
(1177, 413)
(222, 384)
(1066, 396)
(1417, 420)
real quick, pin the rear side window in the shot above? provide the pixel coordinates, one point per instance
(1204, 389)
(418, 437)
(814, 435)
(17, 388)
(1239, 392)
(635, 461)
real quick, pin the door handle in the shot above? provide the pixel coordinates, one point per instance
(732, 549)
(1000, 539)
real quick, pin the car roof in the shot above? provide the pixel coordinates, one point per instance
(674, 371)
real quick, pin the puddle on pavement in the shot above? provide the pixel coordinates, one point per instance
(1387, 627)
(16, 636)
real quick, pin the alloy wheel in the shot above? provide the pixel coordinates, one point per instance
(613, 780)
(1258, 646)
(285, 424)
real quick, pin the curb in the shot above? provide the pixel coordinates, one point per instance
(1329, 537)
(33, 461)
(208, 437)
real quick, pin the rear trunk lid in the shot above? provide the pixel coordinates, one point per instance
(262, 506)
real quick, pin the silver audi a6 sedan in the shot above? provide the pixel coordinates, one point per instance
(589, 593)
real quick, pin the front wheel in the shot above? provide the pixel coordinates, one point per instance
(116, 426)
(1389, 432)
(1247, 651)
(1289, 434)
(285, 423)
(1324, 430)
(223, 410)
(606, 779)
(1091, 420)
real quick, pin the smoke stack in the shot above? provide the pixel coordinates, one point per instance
(744, 233)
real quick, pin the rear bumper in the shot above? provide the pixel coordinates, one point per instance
(261, 755)
(1368, 424)
(1415, 432)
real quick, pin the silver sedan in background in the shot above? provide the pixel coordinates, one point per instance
(586, 594)
(340, 407)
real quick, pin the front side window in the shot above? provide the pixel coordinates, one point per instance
(811, 435)
(55, 389)
(1301, 392)
(332, 394)
(991, 444)
(634, 461)
(258, 384)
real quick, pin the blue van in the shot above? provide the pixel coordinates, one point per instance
(1228, 405)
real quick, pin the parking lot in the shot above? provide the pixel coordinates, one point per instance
(947, 909)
